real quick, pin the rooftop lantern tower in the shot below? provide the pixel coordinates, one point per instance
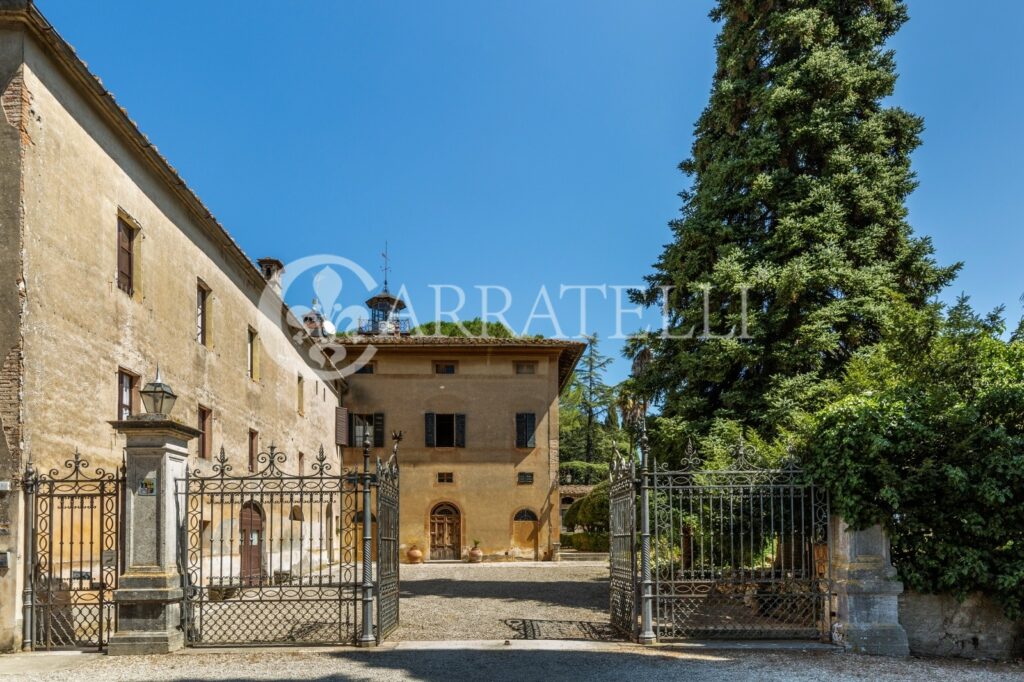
(384, 308)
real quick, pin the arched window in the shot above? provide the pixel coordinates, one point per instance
(568, 500)
(525, 515)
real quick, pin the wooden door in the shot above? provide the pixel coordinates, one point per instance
(250, 549)
(526, 534)
(445, 533)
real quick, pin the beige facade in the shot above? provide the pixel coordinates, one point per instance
(72, 166)
(488, 479)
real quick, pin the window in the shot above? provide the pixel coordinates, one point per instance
(444, 368)
(445, 430)
(202, 313)
(526, 427)
(361, 426)
(302, 463)
(127, 393)
(205, 424)
(525, 515)
(300, 395)
(524, 478)
(365, 369)
(254, 448)
(126, 256)
(445, 477)
(526, 368)
(252, 354)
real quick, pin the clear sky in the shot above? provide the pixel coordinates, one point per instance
(517, 144)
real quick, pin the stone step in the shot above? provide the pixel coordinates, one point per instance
(573, 555)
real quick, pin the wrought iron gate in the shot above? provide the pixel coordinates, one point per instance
(74, 526)
(270, 557)
(741, 551)
(387, 547)
(623, 547)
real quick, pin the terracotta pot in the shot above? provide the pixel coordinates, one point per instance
(414, 555)
(476, 555)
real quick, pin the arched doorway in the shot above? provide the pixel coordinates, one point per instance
(250, 550)
(445, 533)
(525, 532)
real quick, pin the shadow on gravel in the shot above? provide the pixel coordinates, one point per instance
(591, 594)
(530, 628)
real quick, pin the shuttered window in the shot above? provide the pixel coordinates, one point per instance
(205, 424)
(127, 393)
(445, 430)
(362, 426)
(341, 429)
(526, 428)
(125, 256)
(202, 313)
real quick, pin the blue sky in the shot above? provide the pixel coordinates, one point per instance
(517, 144)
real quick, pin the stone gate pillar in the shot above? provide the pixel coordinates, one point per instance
(867, 592)
(149, 591)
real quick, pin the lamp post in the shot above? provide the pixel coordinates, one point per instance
(367, 637)
(647, 634)
(157, 397)
(149, 588)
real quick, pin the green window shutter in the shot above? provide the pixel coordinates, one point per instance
(460, 430)
(378, 430)
(531, 430)
(428, 429)
(351, 431)
(521, 436)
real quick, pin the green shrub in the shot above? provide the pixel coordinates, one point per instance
(591, 511)
(928, 439)
(583, 541)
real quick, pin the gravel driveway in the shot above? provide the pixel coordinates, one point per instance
(567, 600)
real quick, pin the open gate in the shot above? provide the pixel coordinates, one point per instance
(275, 558)
(739, 552)
(387, 548)
(73, 555)
(623, 548)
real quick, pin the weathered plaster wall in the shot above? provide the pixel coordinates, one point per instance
(15, 111)
(939, 625)
(489, 392)
(80, 328)
(65, 328)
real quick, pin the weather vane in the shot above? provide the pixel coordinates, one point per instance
(386, 268)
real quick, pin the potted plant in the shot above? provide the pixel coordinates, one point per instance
(476, 555)
(414, 554)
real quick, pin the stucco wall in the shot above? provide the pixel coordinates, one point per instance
(489, 392)
(80, 327)
(14, 109)
(66, 171)
(939, 625)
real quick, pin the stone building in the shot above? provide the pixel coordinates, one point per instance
(480, 420)
(110, 266)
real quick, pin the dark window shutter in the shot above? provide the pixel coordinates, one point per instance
(124, 256)
(351, 431)
(460, 430)
(531, 430)
(378, 430)
(428, 430)
(341, 426)
(521, 436)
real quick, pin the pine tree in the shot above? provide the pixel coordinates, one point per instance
(799, 176)
(595, 396)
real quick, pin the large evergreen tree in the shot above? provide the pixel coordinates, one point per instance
(799, 177)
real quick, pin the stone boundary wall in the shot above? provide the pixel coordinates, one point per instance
(939, 625)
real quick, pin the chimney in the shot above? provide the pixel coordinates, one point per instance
(272, 269)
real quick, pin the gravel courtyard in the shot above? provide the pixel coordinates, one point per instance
(502, 601)
(554, 618)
